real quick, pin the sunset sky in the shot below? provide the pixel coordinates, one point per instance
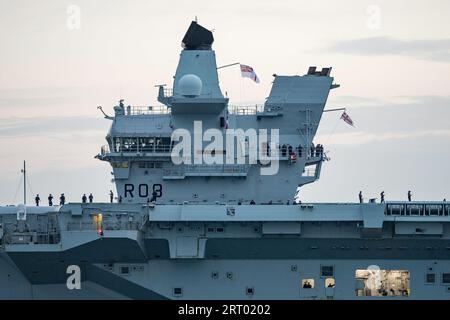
(391, 58)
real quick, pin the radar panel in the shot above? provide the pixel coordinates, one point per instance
(197, 38)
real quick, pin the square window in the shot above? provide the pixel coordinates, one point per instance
(430, 278)
(446, 278)
(230, 275)
(124, 270)
(329, 283)
(250, 291)
(177, 292)
(215, 275)
(308, 283)
(327, 271)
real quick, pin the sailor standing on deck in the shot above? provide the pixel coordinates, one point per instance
(382, 196)
(84, 198)
(50, 200)
(37, 199)
(91, 198)
(62, 199)
(111, 196)
(360, 197)
(154, 195)
(409, 195)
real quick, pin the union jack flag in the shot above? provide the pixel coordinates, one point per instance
(248, 72)
(347, 118)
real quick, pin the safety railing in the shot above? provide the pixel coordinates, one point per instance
(216, 168)
(206, 169)
(246, 110)
(138, 148)
(88, 226)
(145, 110)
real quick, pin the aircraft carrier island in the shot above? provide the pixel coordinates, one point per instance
(208, 206)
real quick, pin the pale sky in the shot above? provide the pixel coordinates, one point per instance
(392, 59)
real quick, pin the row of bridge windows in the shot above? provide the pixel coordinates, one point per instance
(152, 144)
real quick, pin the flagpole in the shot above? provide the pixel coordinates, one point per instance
(337, 109)
(228, 65)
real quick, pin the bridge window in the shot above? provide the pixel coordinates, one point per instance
(377, 283)
(129, 144)
(141, 144)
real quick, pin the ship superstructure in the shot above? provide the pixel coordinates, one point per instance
(226, 229)
(140, 142)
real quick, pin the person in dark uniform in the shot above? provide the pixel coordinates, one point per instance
(319, 150)
(84, 198)
(252, 202)
(120, 199)
(300, 150)
(62, 199)
(382, 196)
(50, 200)
(37, 200)
(91, 198)
(409, 195)
(154, 194)
(283, 150)
(111, 196)
(360, 197)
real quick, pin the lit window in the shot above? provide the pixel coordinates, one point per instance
(308, 283)
(376, 282)
(329, 283)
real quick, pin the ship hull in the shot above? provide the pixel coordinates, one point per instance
(224, 279)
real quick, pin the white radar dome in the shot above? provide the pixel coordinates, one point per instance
(190, 85)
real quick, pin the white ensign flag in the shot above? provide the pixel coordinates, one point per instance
(248, 72)
(347, 119)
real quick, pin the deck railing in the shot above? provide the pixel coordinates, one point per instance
(145, 110)
(246, 110)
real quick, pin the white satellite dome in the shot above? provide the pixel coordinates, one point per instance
(190, 85)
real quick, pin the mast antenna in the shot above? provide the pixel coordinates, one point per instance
(24, 171)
